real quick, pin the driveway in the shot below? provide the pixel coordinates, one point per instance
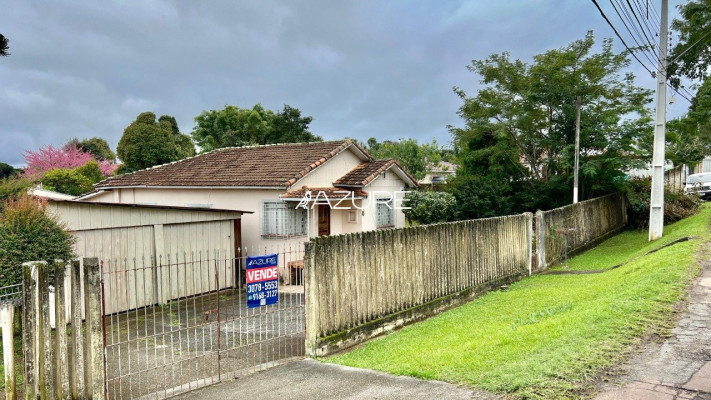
(312, 380)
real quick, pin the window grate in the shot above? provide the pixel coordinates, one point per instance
(384, 215)
(280, 220)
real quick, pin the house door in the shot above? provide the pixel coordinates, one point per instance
(324, 220)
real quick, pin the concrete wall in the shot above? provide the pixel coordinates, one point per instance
(571, 229)
(360, 285)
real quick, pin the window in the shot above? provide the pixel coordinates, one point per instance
(384, 213)
(283, 220)
(352, 217)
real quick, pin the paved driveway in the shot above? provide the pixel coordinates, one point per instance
(312, 380)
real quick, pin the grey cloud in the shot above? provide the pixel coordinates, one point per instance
(360, 68)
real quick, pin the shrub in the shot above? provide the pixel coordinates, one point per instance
(28, 233)
(67, 181)
(677, 206)
(430, 207)
(12, 187)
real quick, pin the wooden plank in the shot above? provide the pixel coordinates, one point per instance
(7, 317)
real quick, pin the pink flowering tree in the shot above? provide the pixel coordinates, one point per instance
(68, 157)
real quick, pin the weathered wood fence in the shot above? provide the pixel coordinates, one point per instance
(66, 362)
(571, 229)
(675, 178)
(361, 284)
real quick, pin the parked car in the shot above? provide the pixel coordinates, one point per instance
(699, 184)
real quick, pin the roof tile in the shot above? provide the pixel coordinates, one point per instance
(262, 166)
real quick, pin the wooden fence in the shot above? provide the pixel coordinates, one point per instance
(675, 178)
(570, 229)
(361, 284)
(63, 363)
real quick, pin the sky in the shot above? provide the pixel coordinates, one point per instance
(360, 68)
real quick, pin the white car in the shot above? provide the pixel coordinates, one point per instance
(699, 184)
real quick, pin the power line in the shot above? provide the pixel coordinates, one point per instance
(651, 59)
(620, 36)
(642, 25)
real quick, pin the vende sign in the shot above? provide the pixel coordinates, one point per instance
(262, 280)
(262, 274)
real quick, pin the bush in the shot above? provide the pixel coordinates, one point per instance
(677, 206)
(12, 187)
(28, 233)
(91, 171)
(430, 207)
(67, 181)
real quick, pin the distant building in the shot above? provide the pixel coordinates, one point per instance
(439, 174)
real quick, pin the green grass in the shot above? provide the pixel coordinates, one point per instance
(548, 334)
(631, 244)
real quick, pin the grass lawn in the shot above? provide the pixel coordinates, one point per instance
(548, 334)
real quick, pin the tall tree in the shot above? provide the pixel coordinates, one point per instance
(691, 57)
(416, 158)
(4, 46)
(520, 127)
(147, 142)
(234, 126)
(7, 170)
(96, 146)
(689, 137)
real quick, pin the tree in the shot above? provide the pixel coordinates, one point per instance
(28, 233)
(7, 170)
(234, 126)
(147, 142)
(96, 146)
(691, 56)
(67, 181)
(427, 207)
(4, 46)
(689, 137)
(67, 157)
(519, 130)
(416, 158)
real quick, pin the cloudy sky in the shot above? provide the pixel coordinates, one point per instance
(361, 68)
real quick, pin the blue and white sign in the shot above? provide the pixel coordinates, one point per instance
(262, 280)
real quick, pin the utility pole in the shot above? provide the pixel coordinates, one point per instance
(577, 149)
(656, 209)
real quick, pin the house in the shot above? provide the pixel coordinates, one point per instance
(296, 191)
(439, 174)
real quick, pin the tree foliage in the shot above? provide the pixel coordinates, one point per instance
(96, 146)
(4, 46)
(147, 142)
(429, 207)
(416, 158)
(689, 137)
(691, 56)
(234, 126)
(75, 181)
(28, 233)
(516, 148)
(7, 170)
(49, 157)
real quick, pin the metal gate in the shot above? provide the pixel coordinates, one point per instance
(197, 330)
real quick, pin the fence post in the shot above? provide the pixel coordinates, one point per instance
(60, 333)
(529, 240)
(7, 317)
(311, 300)
(78, 388)
(94, 328)
(541, 239)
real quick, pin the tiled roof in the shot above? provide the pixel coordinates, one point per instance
(366, 172)
(330, 192)
(261, 166)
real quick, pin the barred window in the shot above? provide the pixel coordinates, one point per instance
(283, 220)
(384, 213)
